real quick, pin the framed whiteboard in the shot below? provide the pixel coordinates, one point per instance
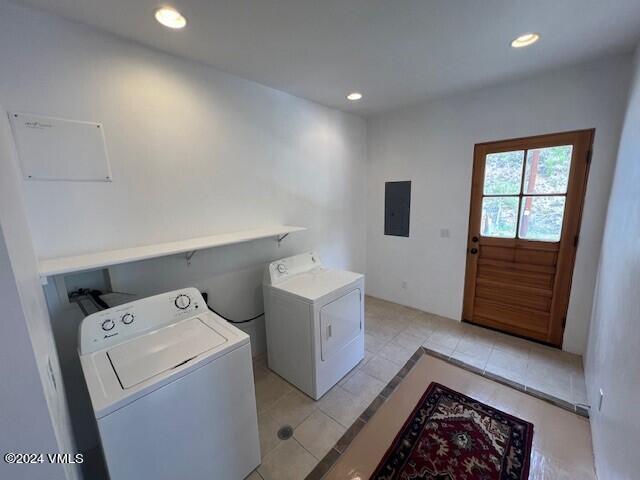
(57, 149)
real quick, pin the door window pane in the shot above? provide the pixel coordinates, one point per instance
(499, 217)
(541, 218)
(503, 173)
(547, 170)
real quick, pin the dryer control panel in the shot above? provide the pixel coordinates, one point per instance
(285, 268)
(124, 322)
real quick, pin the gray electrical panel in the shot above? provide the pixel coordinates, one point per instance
(397, 207)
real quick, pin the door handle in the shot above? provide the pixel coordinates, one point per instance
(328, 331)
(473, 251)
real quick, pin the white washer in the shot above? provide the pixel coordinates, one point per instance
(171, 385)
(314, 322)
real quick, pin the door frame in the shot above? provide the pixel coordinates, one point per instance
(582, 140)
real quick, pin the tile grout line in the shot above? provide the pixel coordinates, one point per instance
(305, 449)
(330, 416)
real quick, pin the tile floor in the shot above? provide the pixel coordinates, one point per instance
(561, 447)
(393, 333)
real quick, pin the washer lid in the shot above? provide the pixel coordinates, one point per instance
(148, 355)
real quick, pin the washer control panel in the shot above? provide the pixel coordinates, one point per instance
(285, 268)
(108, 324)
(115, 325)
(182, 301)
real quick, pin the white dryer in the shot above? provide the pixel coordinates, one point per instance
(314, 322)
(171, 385)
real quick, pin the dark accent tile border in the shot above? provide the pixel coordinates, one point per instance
(505, 381)
(372, 408)
(582, 410)
(465, 366)
(324, 465)
(339, 448)
(551, 399)
(558, 402)
(436, 354)
(349, 435)
(390, 387)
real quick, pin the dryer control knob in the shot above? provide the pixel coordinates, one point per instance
(281, 268)
(183, 301)
(108, 324)
(127, 318)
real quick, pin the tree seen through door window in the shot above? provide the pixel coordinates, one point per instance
(524, 192)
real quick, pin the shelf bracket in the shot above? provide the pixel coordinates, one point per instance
(188, 256)
(280, 238)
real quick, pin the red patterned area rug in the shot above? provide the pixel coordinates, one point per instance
(450, 436)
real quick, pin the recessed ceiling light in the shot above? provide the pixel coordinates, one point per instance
(354, 96)
(525, 40)
(170, 17)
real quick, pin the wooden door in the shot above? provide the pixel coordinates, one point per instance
(526, 204)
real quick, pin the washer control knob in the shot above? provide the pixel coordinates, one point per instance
(183, 301)
(108, 324)
(127, 318)
(282, 268)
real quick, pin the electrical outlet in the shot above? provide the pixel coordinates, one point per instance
(600, 400)
(444, 233)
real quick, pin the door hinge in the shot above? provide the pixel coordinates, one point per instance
(576, 239)
(589, 155)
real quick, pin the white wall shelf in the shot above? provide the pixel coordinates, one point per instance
(89, 261)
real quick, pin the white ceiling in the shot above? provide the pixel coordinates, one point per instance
(394, 51)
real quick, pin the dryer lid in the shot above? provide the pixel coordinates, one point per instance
(318, 283)
(157, 352)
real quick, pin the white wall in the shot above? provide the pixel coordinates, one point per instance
(193, 151)
(33, 409)
(24, 417)
(613, 355)
(432, 143)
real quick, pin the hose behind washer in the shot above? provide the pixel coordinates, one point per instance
(205, 296)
